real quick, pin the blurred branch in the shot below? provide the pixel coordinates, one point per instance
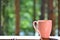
(34, 12)
(34, 8)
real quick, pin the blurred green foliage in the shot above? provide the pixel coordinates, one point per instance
(26, 17)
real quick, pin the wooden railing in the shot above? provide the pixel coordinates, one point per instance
(27, 37)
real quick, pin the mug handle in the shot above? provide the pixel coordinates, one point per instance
(35, 26)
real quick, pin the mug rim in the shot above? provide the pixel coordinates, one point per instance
(44, 20)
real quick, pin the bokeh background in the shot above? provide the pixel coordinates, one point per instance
(23, 13)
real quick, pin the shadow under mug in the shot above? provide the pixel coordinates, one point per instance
(43, 27)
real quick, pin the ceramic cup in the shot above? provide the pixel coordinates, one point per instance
(43, 27)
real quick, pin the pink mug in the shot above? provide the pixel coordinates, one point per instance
(43, 27)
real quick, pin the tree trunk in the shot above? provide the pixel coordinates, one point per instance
(51, 16)
(58, 17)
(0, 16)
(17, 5)
(34, 8)
(1, 22)
(42, 9)
(0, 13)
